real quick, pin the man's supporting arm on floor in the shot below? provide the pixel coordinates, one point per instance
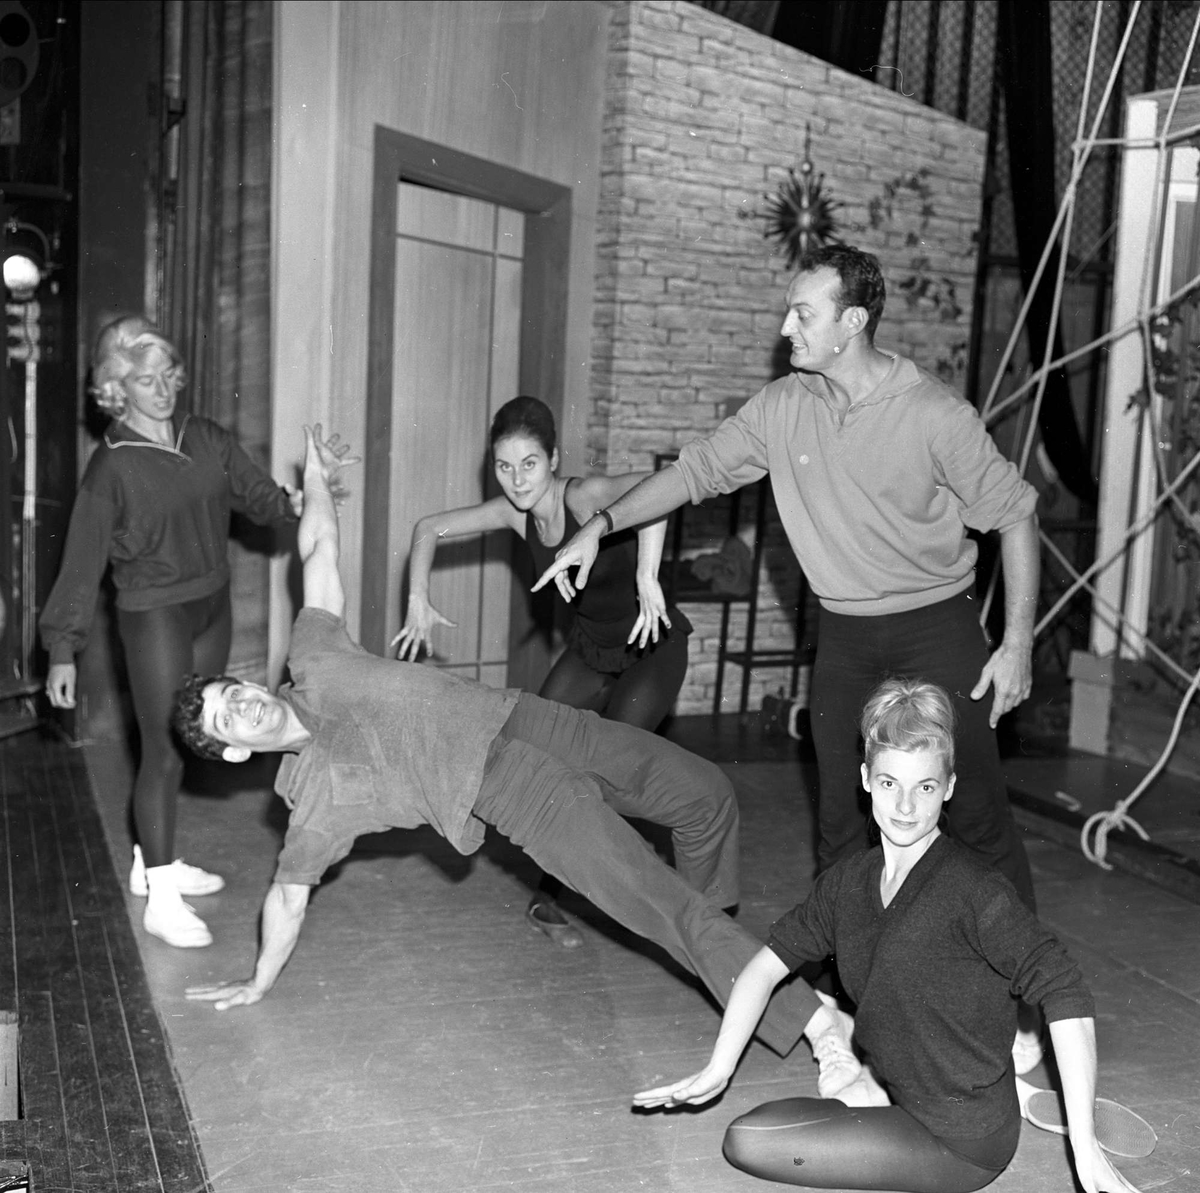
(282, 918)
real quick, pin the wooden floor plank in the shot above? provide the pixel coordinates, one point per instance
(8, 964)
(105, 1111)
(424, 1039)
(96, 915)
(87, 1126)
(45, 1130)
(42, 1092)
(162, 1151)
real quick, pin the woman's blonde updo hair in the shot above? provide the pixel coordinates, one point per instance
(909, 714)
(121, 347)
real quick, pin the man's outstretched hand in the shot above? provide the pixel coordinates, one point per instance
(224, 995)
(580, 552)
(1009, 672)
(324, 459)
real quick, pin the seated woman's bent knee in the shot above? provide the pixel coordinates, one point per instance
(820, 1143)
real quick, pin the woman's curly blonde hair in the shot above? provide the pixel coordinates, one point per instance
(121, 347)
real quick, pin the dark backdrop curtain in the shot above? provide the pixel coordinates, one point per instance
(213, 258)
(1023, 54)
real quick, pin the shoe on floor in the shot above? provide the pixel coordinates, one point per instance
(544, 916)
(838, 1066)
(190, 880)
(1119, 1131)
(864, 1090)
(176, 923)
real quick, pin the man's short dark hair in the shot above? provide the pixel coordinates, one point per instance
(187, 715)
(861, 278)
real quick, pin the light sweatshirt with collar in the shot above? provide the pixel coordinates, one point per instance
(875, 501)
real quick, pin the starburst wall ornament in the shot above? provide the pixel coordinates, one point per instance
(799, 215)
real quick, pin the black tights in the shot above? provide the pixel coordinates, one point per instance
(820, 1143)
(163, 647)
(640, 695)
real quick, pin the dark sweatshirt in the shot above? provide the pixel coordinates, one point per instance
(161, 516)
(935, 976)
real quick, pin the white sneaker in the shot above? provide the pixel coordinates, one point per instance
(839, 1067)
(176, 923)
(190, 880)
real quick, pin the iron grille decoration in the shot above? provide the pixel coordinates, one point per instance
(799, 215)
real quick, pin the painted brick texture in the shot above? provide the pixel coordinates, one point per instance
(702, 119)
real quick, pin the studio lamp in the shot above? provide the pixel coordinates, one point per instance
(26, 258)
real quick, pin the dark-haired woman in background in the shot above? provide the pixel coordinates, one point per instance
(617, 661)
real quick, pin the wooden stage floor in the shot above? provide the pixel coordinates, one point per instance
(101, 1107)
(424, 1039)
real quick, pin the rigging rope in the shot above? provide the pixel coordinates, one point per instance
(1102, 823)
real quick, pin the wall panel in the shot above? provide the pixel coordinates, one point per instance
(520, 84)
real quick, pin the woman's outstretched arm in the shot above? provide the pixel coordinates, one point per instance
(420, 616)
(751, 993)
(1075, 1054)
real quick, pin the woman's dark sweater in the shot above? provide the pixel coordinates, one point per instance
(936, 976)
(161, 516)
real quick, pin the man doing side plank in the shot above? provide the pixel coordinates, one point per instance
(375, 743)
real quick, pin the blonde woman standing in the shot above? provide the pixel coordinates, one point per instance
(154, 503)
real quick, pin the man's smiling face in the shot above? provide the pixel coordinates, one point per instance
(815, 321)
(246, 716)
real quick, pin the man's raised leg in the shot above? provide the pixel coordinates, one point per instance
(559, 817)
(650, 778)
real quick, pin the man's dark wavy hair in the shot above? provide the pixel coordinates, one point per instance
(862, 279)
(187, 715)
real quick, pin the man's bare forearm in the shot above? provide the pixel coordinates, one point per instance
(1021, 560)
(282, 918)
(649, 500)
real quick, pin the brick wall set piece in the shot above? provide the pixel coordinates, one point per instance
(702, 119)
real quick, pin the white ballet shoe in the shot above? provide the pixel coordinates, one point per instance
(844, 1019)
(189, 880)
(1119, 1130)
(864, 1090)
(168, 917)
(838, 1066)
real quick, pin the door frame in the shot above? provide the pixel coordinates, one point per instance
(541, 370)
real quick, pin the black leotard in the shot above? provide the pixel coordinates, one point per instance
(606, 609)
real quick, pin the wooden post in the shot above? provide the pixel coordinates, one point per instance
(9, 1101)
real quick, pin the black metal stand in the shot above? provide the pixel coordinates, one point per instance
(749, 656)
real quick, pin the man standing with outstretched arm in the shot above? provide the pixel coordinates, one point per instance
(878, 471)
(375, 743)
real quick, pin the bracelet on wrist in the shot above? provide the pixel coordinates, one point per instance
(607, 520)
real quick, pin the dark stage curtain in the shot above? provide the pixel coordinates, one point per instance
(213, 228)
(1026, 79)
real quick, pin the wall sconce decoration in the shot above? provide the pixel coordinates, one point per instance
(799, 215)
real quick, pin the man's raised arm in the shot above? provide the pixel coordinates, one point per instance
(317, 536)
(653, 498)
